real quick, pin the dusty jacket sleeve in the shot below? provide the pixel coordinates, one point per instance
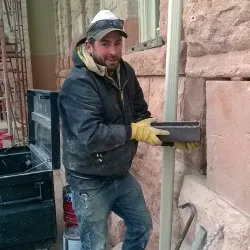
(84, 112)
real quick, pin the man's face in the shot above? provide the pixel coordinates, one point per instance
(107, 51)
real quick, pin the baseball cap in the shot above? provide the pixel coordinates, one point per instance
(103, 23)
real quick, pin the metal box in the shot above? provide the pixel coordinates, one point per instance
(27, 200)
(179, 131)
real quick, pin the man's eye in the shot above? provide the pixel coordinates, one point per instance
(105, 44)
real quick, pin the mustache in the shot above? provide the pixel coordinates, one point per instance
(112, 58)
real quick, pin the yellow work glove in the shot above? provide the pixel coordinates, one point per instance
(143, 132)
(187, 146)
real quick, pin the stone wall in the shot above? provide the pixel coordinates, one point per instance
(217, 35)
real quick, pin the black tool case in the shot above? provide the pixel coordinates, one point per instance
(27, 200)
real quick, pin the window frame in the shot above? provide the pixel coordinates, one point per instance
(148, 26)
(149, 31)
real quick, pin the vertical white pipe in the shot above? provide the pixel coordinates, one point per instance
(170, 108)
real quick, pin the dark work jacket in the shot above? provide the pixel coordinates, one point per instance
(96, 117)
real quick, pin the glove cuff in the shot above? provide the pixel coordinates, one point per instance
(128, 132)
(133, 131)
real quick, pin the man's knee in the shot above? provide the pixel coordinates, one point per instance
(146, 225)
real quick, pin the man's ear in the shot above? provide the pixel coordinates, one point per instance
(88, 46)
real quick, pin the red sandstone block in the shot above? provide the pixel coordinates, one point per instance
(191, 107)
(144, 83)
(131, 26)
(156, 96)
(153, 243)
(163, 19)
(228, 141)
(147, 167)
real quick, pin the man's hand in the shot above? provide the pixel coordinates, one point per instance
(143, 132)
(187, 146)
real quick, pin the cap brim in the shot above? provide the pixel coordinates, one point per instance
(103, 33)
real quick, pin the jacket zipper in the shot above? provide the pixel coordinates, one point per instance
(121, 91)
(122, 98)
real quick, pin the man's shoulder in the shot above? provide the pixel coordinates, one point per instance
(128, 67)
(76, 76)
(79, 72)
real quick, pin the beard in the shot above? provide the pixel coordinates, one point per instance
(111, 63)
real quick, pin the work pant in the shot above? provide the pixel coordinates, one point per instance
(93, 200)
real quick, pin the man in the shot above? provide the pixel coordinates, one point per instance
(104, 116)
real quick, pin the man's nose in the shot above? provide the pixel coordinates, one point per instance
(113, 51)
